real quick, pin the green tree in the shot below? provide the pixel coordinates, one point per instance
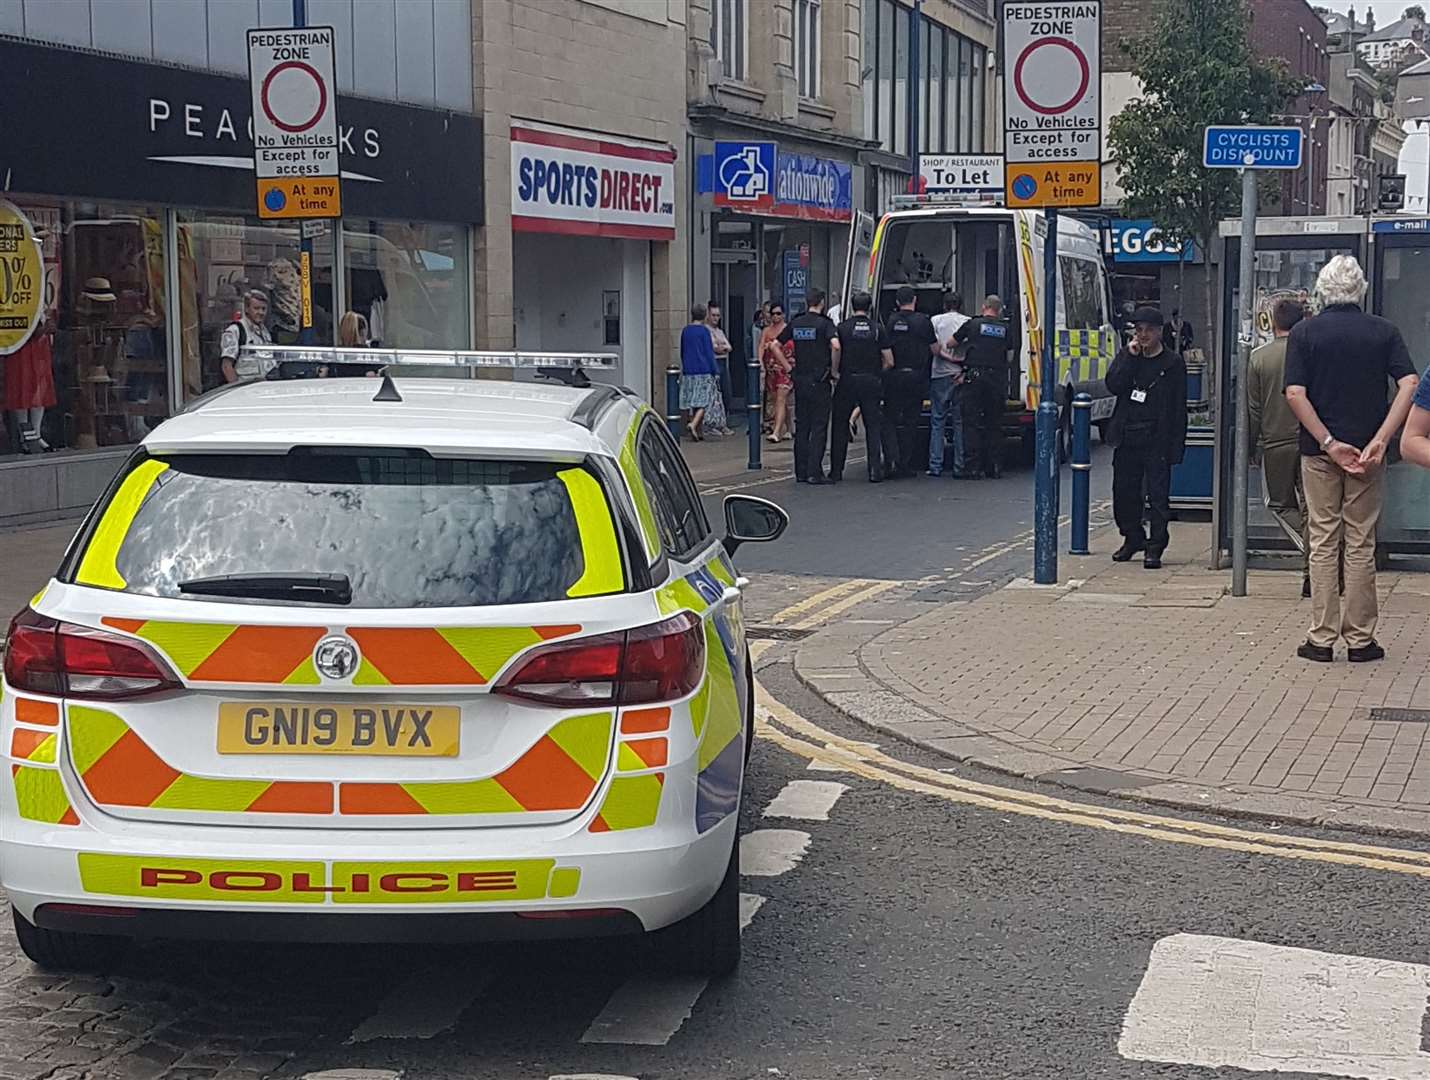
(1414, 11)
(1195, 67)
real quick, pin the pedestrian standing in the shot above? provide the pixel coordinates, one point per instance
(1338, 366)
(811, 337)
(777, 367)
(699, 375)
(717, 419)
(914, 343)
(945, 393)
(1177, 333)
(984, 394)
(250, 328)
(1149, 431)
(1415, 439)
(864, 355)
(1275, 432)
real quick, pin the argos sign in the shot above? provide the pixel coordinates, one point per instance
(584, 184)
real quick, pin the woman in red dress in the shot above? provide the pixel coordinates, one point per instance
(778, 382)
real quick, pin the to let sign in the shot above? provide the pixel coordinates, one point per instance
(947, 173)
(295, 122)
(1052, 104)
(1252, 147)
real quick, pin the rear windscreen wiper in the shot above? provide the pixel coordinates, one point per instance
(314, 588)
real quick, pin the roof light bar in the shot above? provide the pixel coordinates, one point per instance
(425, 358)
(952, 198)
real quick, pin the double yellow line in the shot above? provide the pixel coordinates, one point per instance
(785, 728)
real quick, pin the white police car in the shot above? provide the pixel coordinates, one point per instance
(415, 659)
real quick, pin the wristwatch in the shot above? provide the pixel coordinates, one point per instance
(1327, 440)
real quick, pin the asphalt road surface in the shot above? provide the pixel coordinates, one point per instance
(906, 918)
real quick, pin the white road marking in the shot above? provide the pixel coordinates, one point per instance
(646, 1011)
(1217, 1001)
(354, 1074)
(423, 1005)
(750, 903)
(807, 800)
(772, 852)
(591, 1076)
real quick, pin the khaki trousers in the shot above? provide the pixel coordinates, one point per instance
(1341, 507)
(1281, 473)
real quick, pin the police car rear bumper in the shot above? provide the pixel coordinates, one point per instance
(432, 885)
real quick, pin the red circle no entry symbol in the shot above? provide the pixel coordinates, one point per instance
(1085, 75)
(289, 124)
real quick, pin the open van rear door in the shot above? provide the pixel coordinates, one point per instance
(856, 266)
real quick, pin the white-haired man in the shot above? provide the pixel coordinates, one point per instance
(1337, 369)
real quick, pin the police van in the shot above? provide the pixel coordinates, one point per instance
(936, 244)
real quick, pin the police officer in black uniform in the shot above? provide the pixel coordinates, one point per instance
(914, 342)
(1148, 431)
(816, 366)
(984, 342)
(864, 355)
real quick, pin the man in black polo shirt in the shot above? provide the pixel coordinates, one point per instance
(984, 341)
(812, 339)
(864, 354)
(914, 342)
(1339, 367)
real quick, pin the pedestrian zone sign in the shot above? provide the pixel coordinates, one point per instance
(295, 122)
(1052, 104)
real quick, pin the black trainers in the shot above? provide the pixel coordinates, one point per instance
(1305, 588)
(1322, 654)
(1130, 547)
(1366, 653)
(1152, 560)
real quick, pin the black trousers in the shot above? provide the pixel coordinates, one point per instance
(983, 398)
(862, 392)
(811, 427)
(903, 395)
(1142, 479)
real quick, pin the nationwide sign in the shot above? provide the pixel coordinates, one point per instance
(584, 184)
(292, 79)
(1052, 104)
(1241, 147)
(802, 185)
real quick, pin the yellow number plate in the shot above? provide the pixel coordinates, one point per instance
(293, 728)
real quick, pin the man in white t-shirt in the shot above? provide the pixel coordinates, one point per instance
(251, 328)
(947, 374)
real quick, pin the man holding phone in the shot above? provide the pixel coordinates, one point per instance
(1149, 432)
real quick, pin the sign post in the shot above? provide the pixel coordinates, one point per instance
(293, 83)
(1052, 145)
(1248, 149)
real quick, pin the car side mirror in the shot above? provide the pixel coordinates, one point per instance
(752, 520)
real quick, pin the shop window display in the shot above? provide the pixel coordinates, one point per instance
(230, 267)
(94, 373)
(409, 282)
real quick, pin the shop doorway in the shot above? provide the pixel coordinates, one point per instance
(735, 286)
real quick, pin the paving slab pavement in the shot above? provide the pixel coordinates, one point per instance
(1155, 685)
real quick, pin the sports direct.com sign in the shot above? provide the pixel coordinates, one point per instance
(583, 184)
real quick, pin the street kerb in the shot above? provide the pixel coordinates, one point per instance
(1276, 737)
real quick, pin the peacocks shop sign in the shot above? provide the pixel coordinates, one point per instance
(163, 134)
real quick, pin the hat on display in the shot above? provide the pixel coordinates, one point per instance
(1148, 316)
(99, 290)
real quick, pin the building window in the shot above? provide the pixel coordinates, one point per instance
(901, 80)
(806, 47)
(868, 68)
(933, 140)
(408, 282)
(888, 12)
(976, 127)
(951, 83)
(729, 35)
(95, 373)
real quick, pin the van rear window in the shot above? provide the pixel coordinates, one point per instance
(406, 530)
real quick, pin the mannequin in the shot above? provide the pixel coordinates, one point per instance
(30, 386)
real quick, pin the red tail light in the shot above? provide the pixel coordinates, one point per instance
(654, 663)
(61, 659)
